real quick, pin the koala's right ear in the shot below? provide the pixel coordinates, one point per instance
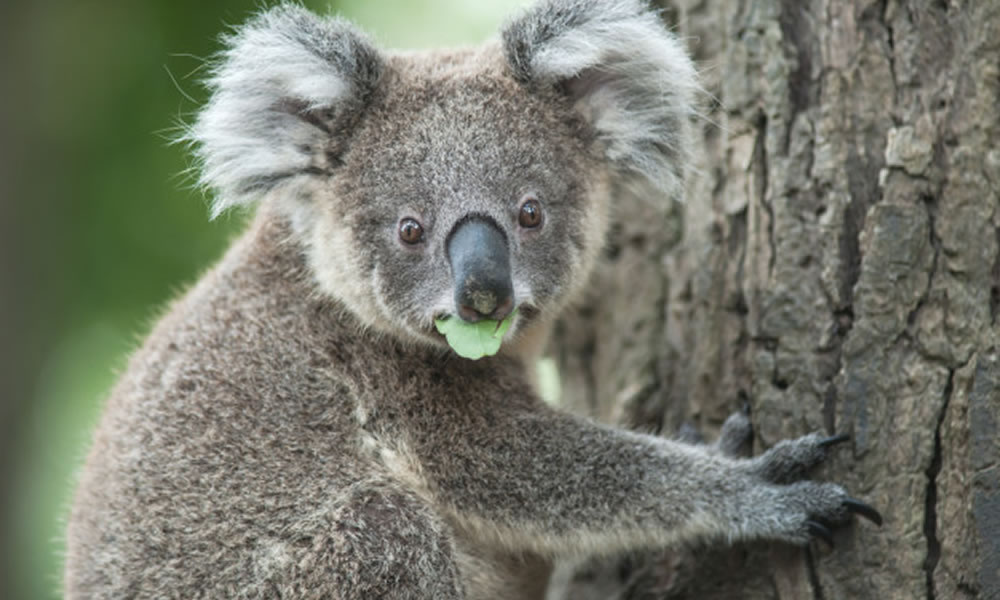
(626, 74)
(282, 92)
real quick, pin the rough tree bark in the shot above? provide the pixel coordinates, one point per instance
(836, 265)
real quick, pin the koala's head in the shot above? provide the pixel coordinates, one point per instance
(463, 183)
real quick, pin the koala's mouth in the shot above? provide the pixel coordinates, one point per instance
(477, 338)
(523, 316)
(526, 313)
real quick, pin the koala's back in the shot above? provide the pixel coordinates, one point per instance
(230, 450)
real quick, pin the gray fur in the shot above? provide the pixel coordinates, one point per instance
(287, 81)
(294, 427)
(635, 81)
(736, 436)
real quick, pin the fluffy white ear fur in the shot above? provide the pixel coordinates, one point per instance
(629, 76)
(282, 82)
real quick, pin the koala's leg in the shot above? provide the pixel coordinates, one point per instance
(376, 543)
(557, 485)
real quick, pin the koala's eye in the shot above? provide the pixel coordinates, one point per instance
(410, 231)
(530, 215)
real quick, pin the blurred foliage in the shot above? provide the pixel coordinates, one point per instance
(108, 226)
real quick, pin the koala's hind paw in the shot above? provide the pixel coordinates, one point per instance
(791, 460)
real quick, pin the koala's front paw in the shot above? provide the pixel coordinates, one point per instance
(791, 460)
(781, 505)
(814, 510)
(806, 509)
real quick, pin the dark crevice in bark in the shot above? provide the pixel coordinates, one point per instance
(830, 407)
(931, 203)
(844, 319)
(795, 28)
(930, 508)
(761, 171)
(850, 249)
(995, 287)
(817, 588)
(890, 41)
(737, 242)
(736, 303)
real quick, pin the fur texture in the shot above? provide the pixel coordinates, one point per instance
(637, 85)
(284, 86)
(294, 427)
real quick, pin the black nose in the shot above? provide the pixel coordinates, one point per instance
(480, 270)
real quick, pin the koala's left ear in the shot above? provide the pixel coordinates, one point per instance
(626, 73)
(284, 94)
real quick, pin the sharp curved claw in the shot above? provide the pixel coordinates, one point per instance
(833, 440)
(865, 510)
(820, 531)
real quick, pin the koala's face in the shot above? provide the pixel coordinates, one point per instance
(464, 184)
(460, 194)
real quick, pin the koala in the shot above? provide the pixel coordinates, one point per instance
(295, 426)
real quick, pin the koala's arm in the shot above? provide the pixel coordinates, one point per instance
(556, 484)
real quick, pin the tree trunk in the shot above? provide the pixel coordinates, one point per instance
(836, 265)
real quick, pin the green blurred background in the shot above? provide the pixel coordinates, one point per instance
(98, 225)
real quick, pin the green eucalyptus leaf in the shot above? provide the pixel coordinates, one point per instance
(474, 340)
